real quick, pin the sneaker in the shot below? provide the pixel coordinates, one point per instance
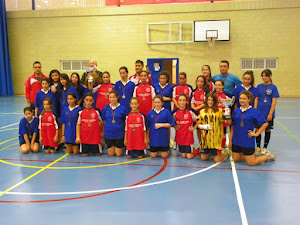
(227, 151)
(257, 151)
(271, 156)
(264, 151)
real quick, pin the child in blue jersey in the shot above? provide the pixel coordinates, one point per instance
(242, 136)
(64, 88)
(114, 115)
(125, 88)
(164, 89)
(41, 95)
(159, 121)
(265, 102)
(28, 132)
(79, 87)
(68, 119)
(248, 85)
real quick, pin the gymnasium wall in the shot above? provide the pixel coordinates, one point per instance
(116, 36)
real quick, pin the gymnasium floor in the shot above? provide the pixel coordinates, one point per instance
(42, 189)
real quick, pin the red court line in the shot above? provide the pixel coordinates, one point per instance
(139, 164)
(94, 195)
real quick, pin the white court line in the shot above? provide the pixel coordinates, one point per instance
(9, 125)
(238, 193)
(11, 113)
(114, 189)
(9, 129)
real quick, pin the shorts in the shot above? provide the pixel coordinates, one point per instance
(48, 147)
(135, 152)
(23, 142)
(119, 143)
(212, 151)
(87, 148)
(159, 149)
(185, 148)
(270, 125)
(74, 144)
(245, 151)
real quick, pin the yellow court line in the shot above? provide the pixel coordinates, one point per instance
(294, 136)
(68, 168)
(32, 175)
(8, 140)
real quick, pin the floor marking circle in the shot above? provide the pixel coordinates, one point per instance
(72, 167)
(114, 189)
(94, 195)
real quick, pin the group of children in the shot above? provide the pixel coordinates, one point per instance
(134, 114)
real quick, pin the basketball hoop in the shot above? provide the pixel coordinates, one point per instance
(211, 41)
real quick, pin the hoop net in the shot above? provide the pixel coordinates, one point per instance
(211, 41)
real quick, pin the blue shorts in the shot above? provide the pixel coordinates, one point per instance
(185, 148)
(87, 148)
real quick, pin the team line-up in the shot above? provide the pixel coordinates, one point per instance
(133, 114)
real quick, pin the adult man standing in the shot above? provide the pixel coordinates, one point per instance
(135, 78)
(33, 83)
(230, 81)
(92, 64)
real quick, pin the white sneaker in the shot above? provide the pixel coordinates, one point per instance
(257, 151)
(227, 151)
(270, 155)
(264, 151)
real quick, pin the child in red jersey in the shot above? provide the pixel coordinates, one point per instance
(48, 128)
(198, 97)
(182, 88)
(102, 90)
(145, 93)
(184, 118)
(135, 131)
(88, 128)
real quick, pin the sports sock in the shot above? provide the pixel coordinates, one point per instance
(267, 139)
(258, 139)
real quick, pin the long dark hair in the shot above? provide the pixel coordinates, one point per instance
(205, 83)
(250, 73)
(68, 84)
(78, 83)
(210, 77)
(215, 106)
(50, 78)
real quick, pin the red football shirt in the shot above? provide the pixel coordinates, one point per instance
(48, 127)
(89, 126)
(198, 98)
(102, 95)
(135, 127)
(184, 118)
(145, 93)
(182, 89)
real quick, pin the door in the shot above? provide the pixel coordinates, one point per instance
(170, 65)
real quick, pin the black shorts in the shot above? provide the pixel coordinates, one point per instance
(159, 149)
(245, 151)
(119, 143)
(270, 125)
(212, 151)
(185, 148)
(74, 144)
(48, 147)
(23, 142)
(135, 152)
(87, 148)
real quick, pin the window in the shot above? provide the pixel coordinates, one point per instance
(74, 65)
(259, 63)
